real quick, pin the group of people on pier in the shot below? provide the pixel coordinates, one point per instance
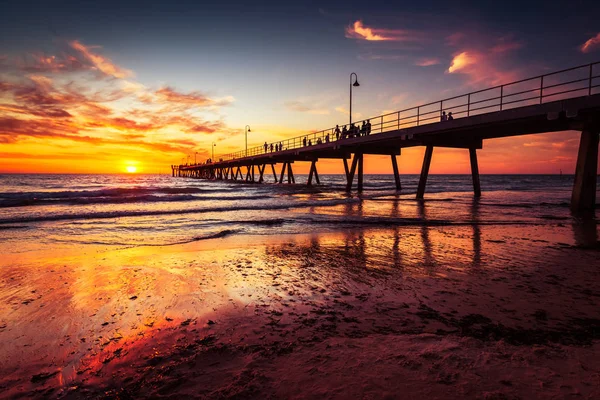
(276, 147)
(345, 133)
(445, 117)
(353, 131)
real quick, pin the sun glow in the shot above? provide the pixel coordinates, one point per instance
(131, 169)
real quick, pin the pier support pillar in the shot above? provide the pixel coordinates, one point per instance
(396, 174)
(350, 173)
(424, 171)
(274, 174)
(313, 172)
(261, 172)
(290, 173)
(583, 197)
(282, 171)
(360, 172)
(475, 172)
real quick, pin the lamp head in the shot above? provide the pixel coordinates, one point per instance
(356, 83)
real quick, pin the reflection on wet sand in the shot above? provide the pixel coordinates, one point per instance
(585, 232)
(141, 322)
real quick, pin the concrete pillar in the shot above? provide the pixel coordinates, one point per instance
(424, 171)
(475, 172)
(274, 174)
(583, 197)
(360, 172)
(396, 174)
(350, 174)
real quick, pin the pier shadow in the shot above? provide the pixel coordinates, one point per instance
(428, 259)
(475, 218)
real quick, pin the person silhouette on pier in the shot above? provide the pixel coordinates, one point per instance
(327, 137)
(304, 141)
(344, 132)
(309, 142)
(363, 129)
(337, 132)
(444, 117)
(450, 117)
(266, 146)
(280, 146)
(271, 147)
(368, 127)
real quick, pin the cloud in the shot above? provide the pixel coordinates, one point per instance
(358, 30)
(427, 62)
(591, 44)
(506, 45)
(101, 63)
(481, 68)
(46, 100)
(461, 61)
(302, 107)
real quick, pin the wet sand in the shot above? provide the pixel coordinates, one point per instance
(474, 311)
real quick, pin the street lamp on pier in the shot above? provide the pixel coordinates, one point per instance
(213, 151)
(247, 130)
(352, 84)
(195, 156)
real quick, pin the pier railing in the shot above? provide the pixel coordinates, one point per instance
(567, 83)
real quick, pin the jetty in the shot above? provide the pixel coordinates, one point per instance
(563, 100)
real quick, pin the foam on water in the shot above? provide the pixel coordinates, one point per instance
(125, 210)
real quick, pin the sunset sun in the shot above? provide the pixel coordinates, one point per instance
(131, 169)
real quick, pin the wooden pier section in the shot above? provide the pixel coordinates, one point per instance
(560, 101)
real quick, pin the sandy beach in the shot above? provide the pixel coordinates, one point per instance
(482, 312)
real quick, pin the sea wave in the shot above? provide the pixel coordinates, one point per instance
(113, 192)
(138, 213)
(144, 198)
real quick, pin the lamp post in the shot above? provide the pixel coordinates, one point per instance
(247, 130)
(352, 84)
(195, 155)
(213, 151)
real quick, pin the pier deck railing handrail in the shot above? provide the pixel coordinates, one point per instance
(473, 105)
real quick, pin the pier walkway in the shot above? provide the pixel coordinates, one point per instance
(559, 101)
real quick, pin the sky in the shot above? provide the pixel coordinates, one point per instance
(97, 87)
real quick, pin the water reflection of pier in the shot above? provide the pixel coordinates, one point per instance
(394, 246)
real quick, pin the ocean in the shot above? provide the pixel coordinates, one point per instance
(151, 210)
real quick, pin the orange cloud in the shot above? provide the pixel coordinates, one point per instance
(358, 30)
(480, 68)
(427, 62)
(461, 61)
(103, 64)
(591, 44)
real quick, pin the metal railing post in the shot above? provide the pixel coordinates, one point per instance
(501, 96)
(590, 81)
(381, 131)
(398, 120)
(441, 108)
(469, 104)
(418, 112)
(541, 88)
